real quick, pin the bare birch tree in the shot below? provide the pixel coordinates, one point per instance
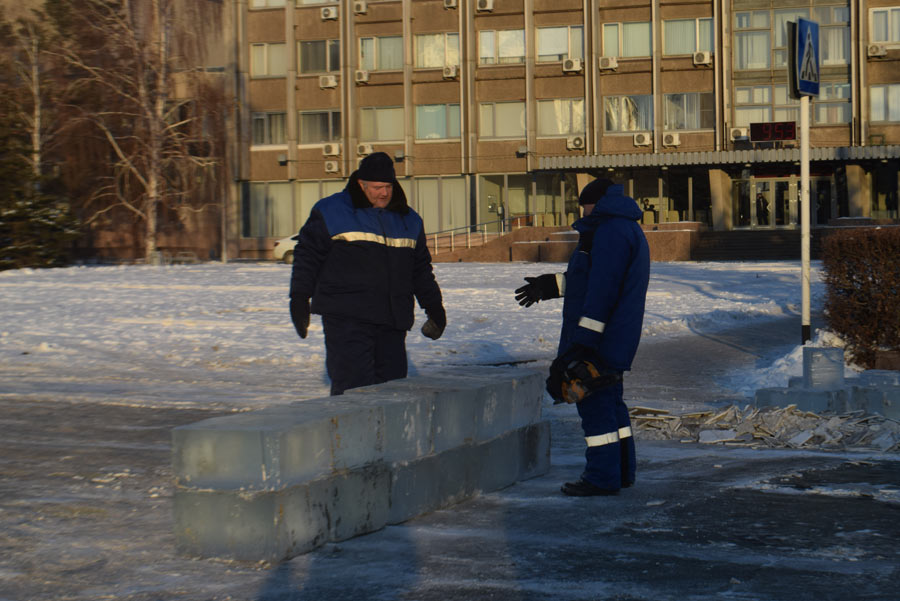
(120, 52)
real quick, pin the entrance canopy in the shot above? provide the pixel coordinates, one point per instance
(718, 157)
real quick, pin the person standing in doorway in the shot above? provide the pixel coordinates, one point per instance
(360, 261)
(604, 291)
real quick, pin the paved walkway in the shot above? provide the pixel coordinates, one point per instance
(85, 513)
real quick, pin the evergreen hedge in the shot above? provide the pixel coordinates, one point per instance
(862, 294)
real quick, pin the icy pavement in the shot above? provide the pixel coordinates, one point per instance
(97, 366)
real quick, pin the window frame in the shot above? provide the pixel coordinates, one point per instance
(377, 50)
(620, 39)
(448, 122)
(375, 109)
(569, 44)
(329, 45)
(709, 112)
(493, 105)
(266, 117)
(497, 59)
(891, 12)
(448, 54)
(578, 130)
(267, 47)
(739, 32)
(335, 128)
(888, 107)
(647, 100)
(697, 37)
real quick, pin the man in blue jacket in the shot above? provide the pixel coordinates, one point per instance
(361, 258)
(604, 290)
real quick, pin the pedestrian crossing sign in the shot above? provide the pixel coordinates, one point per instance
(805, 63)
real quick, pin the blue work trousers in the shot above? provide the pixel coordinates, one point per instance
(611, 462)
(360, 354)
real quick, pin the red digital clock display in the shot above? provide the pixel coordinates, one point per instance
(773, 132)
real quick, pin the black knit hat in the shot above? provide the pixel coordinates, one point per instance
(594, 191)
(377, 167)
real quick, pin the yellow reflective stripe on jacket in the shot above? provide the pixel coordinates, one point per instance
(376, 238)
(625, 432)
(602, 439)
(592, 324)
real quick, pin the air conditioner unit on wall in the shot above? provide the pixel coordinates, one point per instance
(450, 3)
(571, 65)
(876, 50)
(361, 76)
(329, 13)
(575, 143)
(642, 139)
(451, 71)
(363, 149)
(327, 81)
(360, 7)
(703, 57)
(608, 63)
(331, 166)
(484, 5)
(671, 139)
(738, 133)
(331, 150)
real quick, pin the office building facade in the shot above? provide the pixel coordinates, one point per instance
(503, 109)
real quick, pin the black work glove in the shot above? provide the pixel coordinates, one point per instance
(300, 315)
(537, 289)
(577, 353)
(437, 321)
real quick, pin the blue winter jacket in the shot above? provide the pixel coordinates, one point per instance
(364, 263)
(606, 282)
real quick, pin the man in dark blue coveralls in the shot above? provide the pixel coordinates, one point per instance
(361, 257)
(604, 290)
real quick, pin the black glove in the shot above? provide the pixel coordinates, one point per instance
(437, 321)
(537, 289)
(300, 315)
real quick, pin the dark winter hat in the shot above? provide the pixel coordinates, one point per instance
(594, 191)
(377, 167)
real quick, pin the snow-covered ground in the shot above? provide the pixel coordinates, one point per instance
(212, 333)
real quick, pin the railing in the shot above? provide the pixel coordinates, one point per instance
(477, 234)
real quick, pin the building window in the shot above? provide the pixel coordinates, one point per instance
(381, 124)
(437, 121)
(501, 47)
(560, 117)
(885, 24)
(266, 3)
(435, 50)
(694, 110)
(752, 40)
(502, 120)
(560, 43)
(780, 33)
(319, 56)
(317, 127)
(833, 104)
(785, 108)
(884, 102)
(834, 34)
(628, 113)
(686, 36)
(753, 104)
(268, 210)
(626, 40)
(269, 128)
(267, 60)
(381, 54)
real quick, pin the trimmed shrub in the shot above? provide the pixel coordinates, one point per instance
(862, 290)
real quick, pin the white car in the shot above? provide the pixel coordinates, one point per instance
(284, 249)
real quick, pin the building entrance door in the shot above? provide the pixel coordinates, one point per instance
(765, 203)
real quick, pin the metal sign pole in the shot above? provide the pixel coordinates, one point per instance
(804, 217)
(803, 72)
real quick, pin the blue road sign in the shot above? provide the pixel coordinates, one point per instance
(806, 61)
